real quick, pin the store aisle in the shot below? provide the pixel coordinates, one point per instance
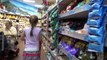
(21, 47)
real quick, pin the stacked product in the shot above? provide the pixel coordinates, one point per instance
(96, 22)
(72, 46)
(54, 24)
(71, 6)
(74, 5)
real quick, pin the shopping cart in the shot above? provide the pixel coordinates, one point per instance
(1, 42)
(3, 45)
(8, 47)
(13, 50)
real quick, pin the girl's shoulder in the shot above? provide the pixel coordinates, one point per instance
(26, 28)
(37, 28)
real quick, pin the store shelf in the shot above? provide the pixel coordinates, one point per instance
(47, 38)
(81, 12)
(67, 54)
(54, 56)
(48, 11)
(74, 35)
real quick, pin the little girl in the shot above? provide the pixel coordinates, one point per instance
(32, 38)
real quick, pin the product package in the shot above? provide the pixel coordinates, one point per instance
(95, 6)
(63, 44)
(96, 31)
(94, 23)
(95, 1)
(95, 47)
(57, 26)
(54, 15)
(66, 46)
(53, 11)
(97, 21)
(96, 13)
(74, 51)
(53, 21)
(96, 39)
(55, 41)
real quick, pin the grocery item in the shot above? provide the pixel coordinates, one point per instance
(94, 23)
(96, 31)
(74, 51)
(96, 47)
(68, 8)
(95, 6)
(96, 39)
(96, 13)
(95, 1)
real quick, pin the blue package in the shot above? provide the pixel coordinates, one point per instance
(96, 39)
(95, 6)
(96, 31)
(96, 13)
(94, 23)
(95, 47)
(95, 1)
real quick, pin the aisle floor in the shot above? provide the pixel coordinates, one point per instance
(21, 47)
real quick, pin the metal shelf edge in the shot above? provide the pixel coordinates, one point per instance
(74, 35)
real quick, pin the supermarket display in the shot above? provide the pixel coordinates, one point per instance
(79, 29)
(96, 41)
(96, 31)
(71, 29)
(54, 24)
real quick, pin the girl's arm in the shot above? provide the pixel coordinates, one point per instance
(40, 43)
(22, 37)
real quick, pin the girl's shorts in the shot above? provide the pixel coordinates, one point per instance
(31, 55)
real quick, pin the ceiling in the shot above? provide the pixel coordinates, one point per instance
(29, 5)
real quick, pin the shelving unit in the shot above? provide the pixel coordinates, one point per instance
(77, 13)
